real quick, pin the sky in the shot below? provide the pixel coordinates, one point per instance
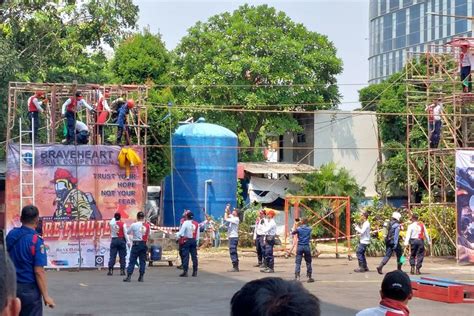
(345, 22)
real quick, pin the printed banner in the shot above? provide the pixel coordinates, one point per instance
(465, 205)
(77, 190)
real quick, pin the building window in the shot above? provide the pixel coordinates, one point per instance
(461, 10)
(301, 138)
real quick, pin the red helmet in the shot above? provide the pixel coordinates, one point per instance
(130, 103)
(271, 213)
(39, 93)
(63, 174)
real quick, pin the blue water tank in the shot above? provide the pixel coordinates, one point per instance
(203, 155)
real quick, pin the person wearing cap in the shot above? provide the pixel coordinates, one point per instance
(258, 238)
(303, 231)
(70, 202)
(233, 221)
(269, 232)
(180, 246)
(34, 108)
(415, 237)
(364, 242)
(122, 121)
(395, 293)
(69, 109)
(435, 110)
(392, 242)
(466, 60)
(188, 238)
(118, 244)
(28, 253)
(140, 231)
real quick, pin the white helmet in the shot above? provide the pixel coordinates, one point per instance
(396, 215)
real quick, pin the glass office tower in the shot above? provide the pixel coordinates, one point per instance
(398, 26)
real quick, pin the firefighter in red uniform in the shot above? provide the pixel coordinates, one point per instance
(415, 237)
(34, 108)
(118, 244)
(68, 110)
(101, 107)
(180, 248)
(188, 239)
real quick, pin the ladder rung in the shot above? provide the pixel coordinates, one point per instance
(27, 183)
(27, 197)
(27, 170)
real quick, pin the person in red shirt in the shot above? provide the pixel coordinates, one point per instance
(34, 108)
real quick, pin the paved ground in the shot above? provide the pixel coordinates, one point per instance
(163, 293)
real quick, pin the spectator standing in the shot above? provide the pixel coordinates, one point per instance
(28, 253)
(364, 242)
(9, 304)
(415, 237)
(274, 297)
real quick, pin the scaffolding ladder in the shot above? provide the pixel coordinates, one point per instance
(27, 165)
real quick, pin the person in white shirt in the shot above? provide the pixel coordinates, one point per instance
(140, 231)
(69, 109)
(233, 222)
(395, 293)
(188, 238)
(364, 242)
(82, 133)
(466, 61)
(118, 232)
(435, 110)
(270, 232)
(415, 237)
(258, 238)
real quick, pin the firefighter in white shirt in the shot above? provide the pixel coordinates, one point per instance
(258, 237)
(69, 109)
(233, 222)
(270, 233)
(415, 237)
(364, 242)
(118, 244)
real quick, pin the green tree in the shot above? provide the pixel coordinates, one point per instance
(142, 58)
(254, 58)
(59, 41)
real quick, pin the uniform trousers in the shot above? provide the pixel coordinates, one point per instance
(233, 242)
(303, 251)
(417, 253)
(30, 297)
(138, 251)
(189, 248)
(118, 245)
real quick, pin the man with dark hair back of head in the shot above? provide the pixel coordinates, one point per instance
(9, 304)
(274, 297)
(395, 293)
(28, 253)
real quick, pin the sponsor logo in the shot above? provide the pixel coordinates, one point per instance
(99, 261)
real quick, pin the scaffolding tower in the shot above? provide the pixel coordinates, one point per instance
(432, 75)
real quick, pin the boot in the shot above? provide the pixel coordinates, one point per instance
(360, 269)
(235, 267)
(122, 271)
(399, 266)
(268, 270)
(418, 272)
(366, 268)
(412, 270)
(379, 269)
(184, 274)
(297, 276)
(128, 278)
(111, 271)
(140, 278)
(195, 273)
(310, 279)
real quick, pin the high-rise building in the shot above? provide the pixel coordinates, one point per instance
(398, 26)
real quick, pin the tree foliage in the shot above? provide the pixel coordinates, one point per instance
(255, 57)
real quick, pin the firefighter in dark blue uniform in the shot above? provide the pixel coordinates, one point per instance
(303, 249)
(392, 242)
(28, 253)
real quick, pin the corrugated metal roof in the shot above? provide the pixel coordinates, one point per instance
(276, 167)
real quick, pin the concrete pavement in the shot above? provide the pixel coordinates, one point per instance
(341, 291)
